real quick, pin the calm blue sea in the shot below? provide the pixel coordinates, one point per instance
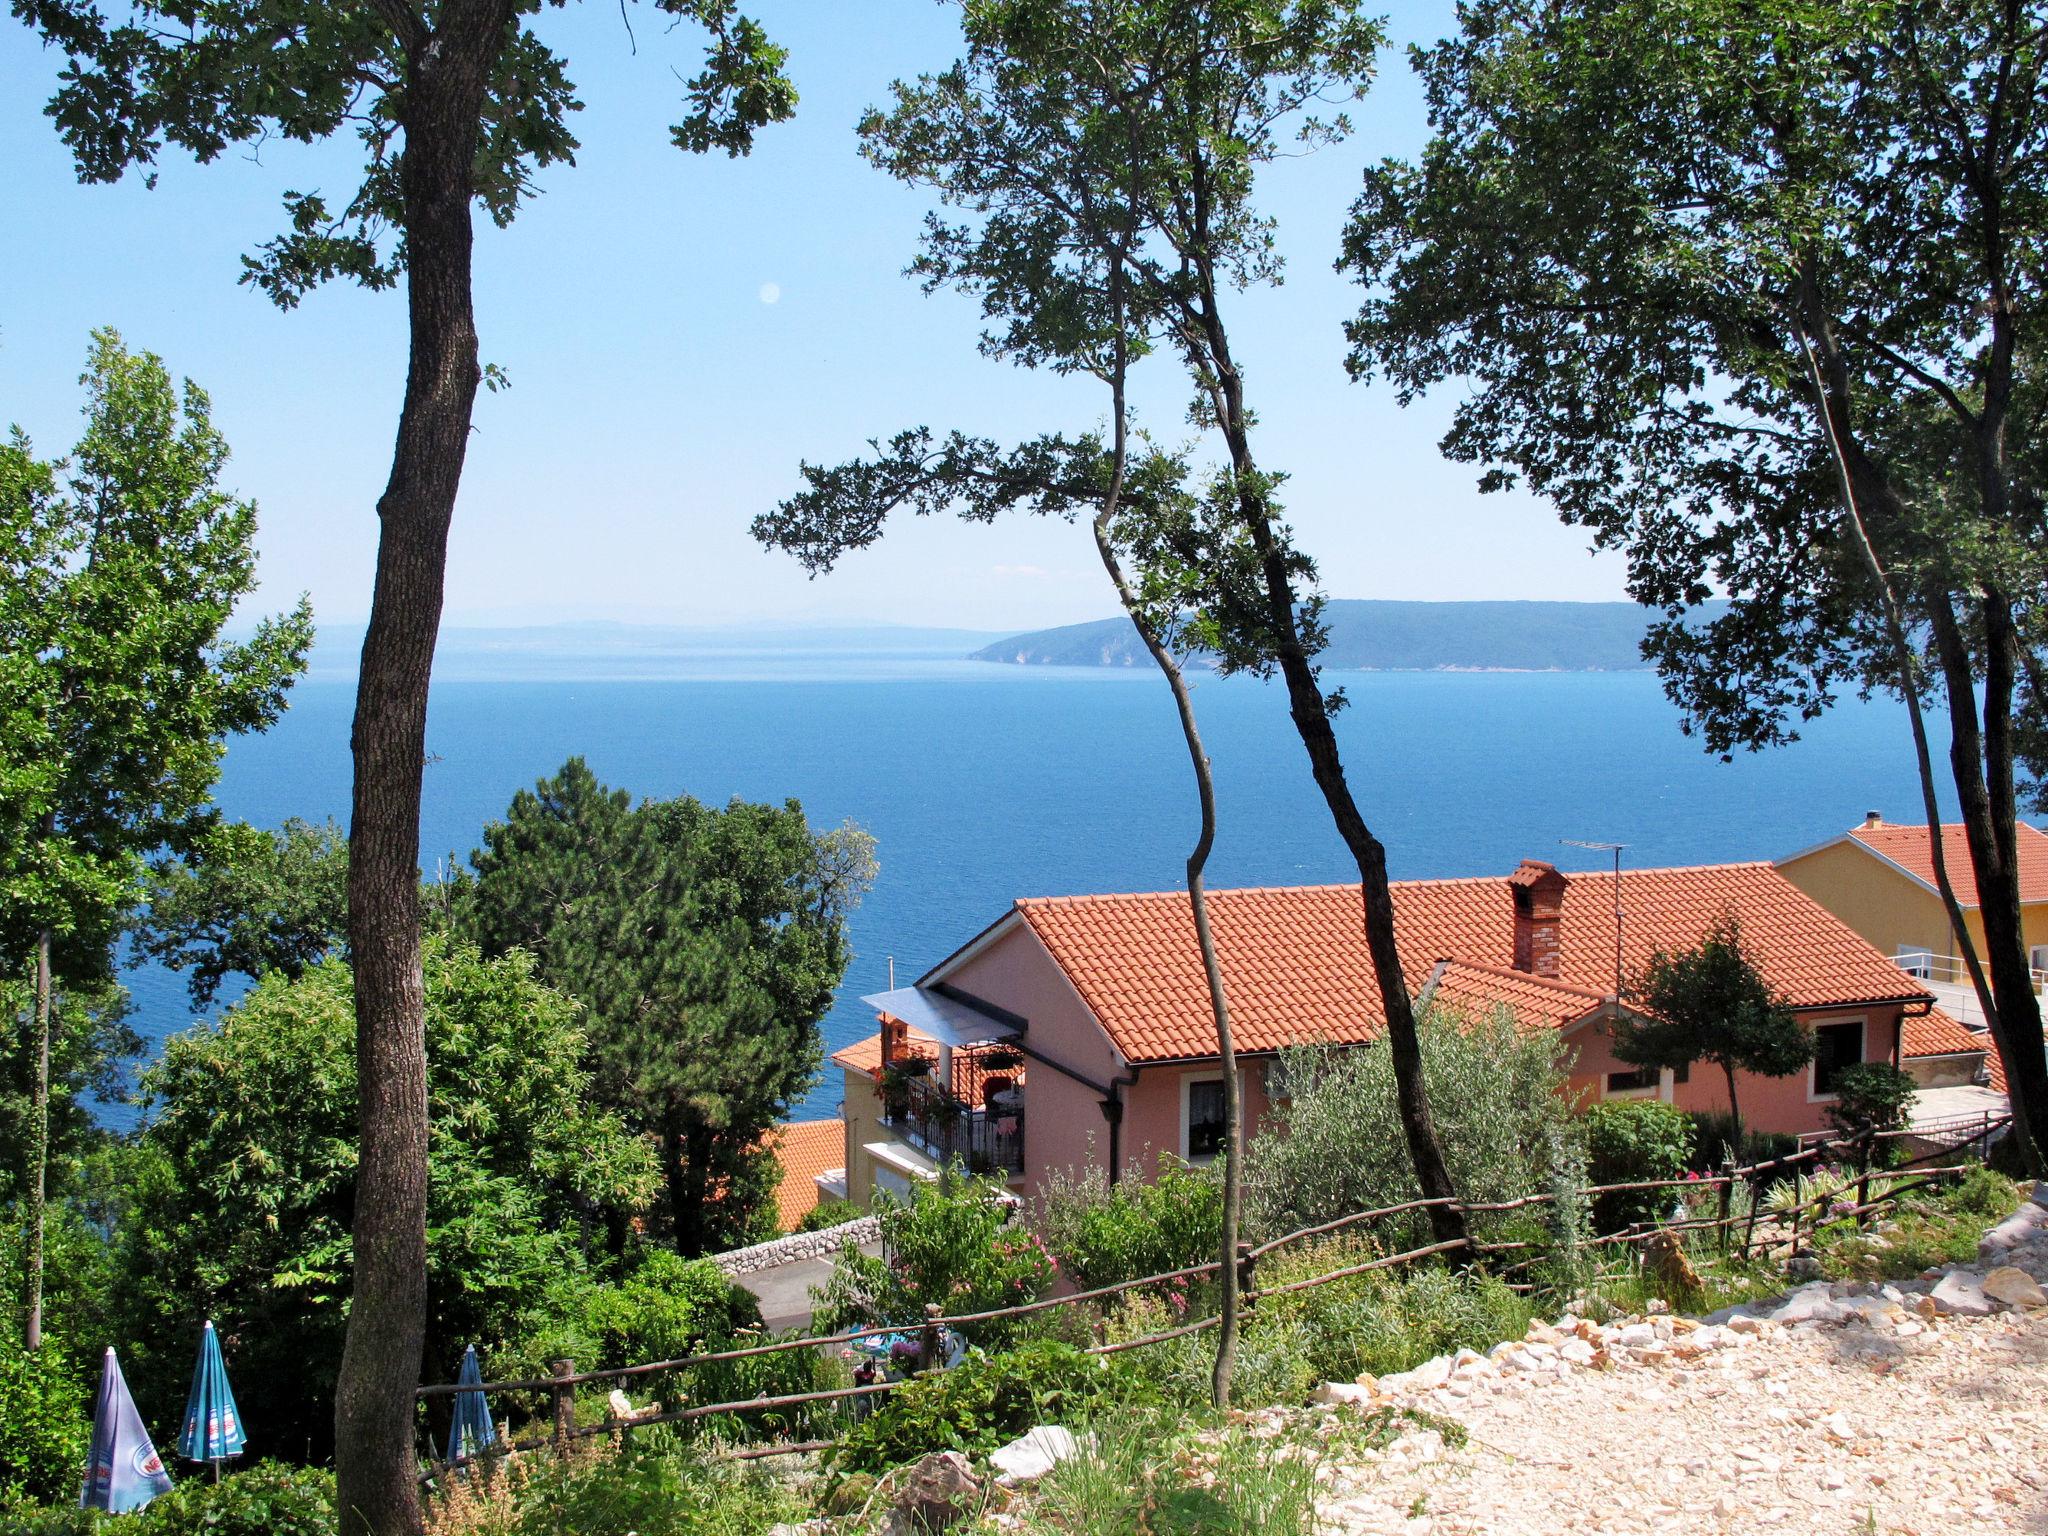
(984, 783)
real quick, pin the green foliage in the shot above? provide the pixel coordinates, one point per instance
(1379, 1322)
(1134, 1480)
(1102, 1233)
(248, 902)
(1336, 1147)
(267, 1499)
(119, 568)
(91, 1043)
(651, 1483)
(1628, 1142)
(1718, 1141)
(830, 1213)
(1871, 1097)
(242, 1195)
(45, 1422)
(1709, 1003)
(704, 946)
(1984, 1192)
(957, 1248)
(984, 1402)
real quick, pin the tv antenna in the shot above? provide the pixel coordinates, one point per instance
(1616, 850)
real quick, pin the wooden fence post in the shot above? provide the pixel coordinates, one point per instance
(928, 1348)
(565, 1403)
(1721, 1224)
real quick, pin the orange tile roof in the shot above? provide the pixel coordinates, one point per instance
(866, 1055)
(1296, 966)
(1908, 845)
(1939, 1035)
(805, 1148)
(1537, 1002)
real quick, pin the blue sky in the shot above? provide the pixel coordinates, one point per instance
(659, 400)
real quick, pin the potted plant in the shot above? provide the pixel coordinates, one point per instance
(1001, 1059)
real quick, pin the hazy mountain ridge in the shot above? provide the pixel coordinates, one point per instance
(1380, 635)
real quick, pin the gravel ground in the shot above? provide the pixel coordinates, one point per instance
(1847, 1409)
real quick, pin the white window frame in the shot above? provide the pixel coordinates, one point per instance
(1813, 1067)
(1661, 1090)
(1187, 1082)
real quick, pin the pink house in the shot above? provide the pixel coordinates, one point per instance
(1076, 1031)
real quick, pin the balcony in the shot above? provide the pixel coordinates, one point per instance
(945, 1125)
(1949, 980)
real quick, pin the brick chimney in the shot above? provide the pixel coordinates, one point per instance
(1538, 890)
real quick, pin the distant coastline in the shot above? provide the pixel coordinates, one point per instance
(1365, 635)
(1374, 635)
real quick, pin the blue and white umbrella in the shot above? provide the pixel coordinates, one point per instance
(213, 1430)
(123, 1471)
(471, 1434)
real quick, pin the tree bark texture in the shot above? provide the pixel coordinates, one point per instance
(38, 1152)
(375, 1470)
(1204, 334)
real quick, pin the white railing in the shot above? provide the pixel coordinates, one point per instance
(1926, 965)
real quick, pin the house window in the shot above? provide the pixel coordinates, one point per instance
(1632, 1084)
(1835, 1046)
(1201, 1118)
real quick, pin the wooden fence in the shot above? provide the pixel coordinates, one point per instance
(1826, 1207)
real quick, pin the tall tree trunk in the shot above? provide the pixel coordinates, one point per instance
(380, 1368)
(1198, 857)
(38, 1149)
(1734, 1111)
(1981, 764)
(1311, 715)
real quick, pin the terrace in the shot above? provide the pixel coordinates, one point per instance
(951, 1081)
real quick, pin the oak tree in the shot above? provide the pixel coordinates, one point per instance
(1752, 292)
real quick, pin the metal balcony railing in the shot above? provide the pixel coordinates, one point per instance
(935, 1121)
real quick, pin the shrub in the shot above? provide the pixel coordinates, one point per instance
(955, 1248)
(1715, 1146)
(267, 1499)
(648, 1484)
(982, 1403)
(1102, 1233)
(1628, 1142)
(830, 1213)
(1871, 1097)
(45, 1421)
(1337, 1146)
(1984, 1192)
(1377, 1322)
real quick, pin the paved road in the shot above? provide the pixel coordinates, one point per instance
(785, 1291)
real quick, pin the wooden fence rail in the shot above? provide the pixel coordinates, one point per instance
(562, 1385)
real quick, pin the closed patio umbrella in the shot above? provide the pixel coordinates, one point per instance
(213, 1430)
(471, 1434)
(123, 1470)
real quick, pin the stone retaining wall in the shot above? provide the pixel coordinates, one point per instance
(798, 1246)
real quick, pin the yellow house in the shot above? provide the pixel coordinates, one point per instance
(1878, 877)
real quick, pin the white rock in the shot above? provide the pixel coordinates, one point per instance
(1035, 1453)
(1576, 1352)
(1961, 1293)
(1636, 1336)
(1742, 1322)
(2014, 1287)
(1330, 1394)
(1521, 1360)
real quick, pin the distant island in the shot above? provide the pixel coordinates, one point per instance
(1371, 635)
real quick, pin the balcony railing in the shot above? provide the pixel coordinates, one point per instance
(982, 1140)
(1925, 965)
